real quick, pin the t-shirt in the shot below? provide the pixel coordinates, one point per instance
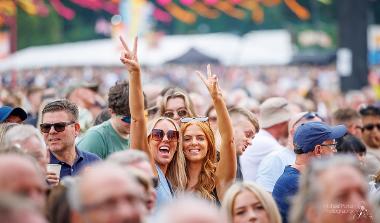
(102, 140)
(263, 144)
(284, 190)
(272, 166)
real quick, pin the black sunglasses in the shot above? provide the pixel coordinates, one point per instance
(158, 135)
(370, 127)
(58, 127)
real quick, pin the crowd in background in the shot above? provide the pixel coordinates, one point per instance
(175, 145)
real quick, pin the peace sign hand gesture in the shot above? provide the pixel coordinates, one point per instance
(211, 82)
(129, 58)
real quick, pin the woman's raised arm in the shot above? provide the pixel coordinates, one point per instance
(226, 167)
(138, 129)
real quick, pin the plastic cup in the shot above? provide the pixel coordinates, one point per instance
(55, 168)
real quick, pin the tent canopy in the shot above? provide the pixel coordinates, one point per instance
(256, 48)
(193, 56)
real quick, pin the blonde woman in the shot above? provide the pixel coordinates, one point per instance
(160, 139)
(205, 175)
(246, 202)
(176, 104)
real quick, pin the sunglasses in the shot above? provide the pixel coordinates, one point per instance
(192, 119)
(158, 135)
(58, 127)
(126, 119)
(370, 127)
(181, 113)
(308, 116)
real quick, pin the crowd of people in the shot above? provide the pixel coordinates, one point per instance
(222, 145)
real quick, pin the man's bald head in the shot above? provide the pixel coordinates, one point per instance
(21, 175)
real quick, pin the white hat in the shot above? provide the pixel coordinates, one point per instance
(274, 111)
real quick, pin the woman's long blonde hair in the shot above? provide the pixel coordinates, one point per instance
(206, 180)
(176, 172)
(177, 93)
(264, 197)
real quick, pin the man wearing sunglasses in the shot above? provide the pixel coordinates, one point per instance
(371, 128)
(59, 128)
(112, 135)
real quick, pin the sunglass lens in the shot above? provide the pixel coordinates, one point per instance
(59, 127)
(169, 114)
(172, 135)
(45, 128)
(182, 113)
(126, 119)
(157, 134)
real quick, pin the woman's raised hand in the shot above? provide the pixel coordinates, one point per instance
(211, 82)
(129, 58)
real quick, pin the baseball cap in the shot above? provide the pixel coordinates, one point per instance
(274, 111)
(310, 134)
(6, 111)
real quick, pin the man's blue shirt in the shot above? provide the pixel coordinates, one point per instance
(284, 190)
(83, 159)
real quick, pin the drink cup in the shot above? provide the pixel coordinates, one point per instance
(55, 168)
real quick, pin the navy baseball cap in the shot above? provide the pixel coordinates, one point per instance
(310, 134)
(6, 111)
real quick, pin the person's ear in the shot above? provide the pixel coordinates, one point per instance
(317, 151)
(77, 128)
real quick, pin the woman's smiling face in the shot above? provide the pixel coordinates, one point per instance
(194, 143)
(163, 150)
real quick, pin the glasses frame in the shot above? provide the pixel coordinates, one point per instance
(54, 125)
(371, 127)
(162, 135)
(332, 146)
(178, 113)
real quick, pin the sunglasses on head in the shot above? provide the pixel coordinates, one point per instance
(370, 127)
(58, 127)
(158, 135)
(181, 113)
(308, 116)
(194, 119)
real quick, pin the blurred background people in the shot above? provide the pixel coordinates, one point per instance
(332, 190)
(114, 197)
(273, 119)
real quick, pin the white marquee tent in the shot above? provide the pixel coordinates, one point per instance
(255, 48)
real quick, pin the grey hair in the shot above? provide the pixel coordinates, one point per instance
(309, 187)
(12, 205)
(127, 157)
(21, 133)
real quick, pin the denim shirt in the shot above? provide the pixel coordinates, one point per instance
(163, 189)
(83, 159)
